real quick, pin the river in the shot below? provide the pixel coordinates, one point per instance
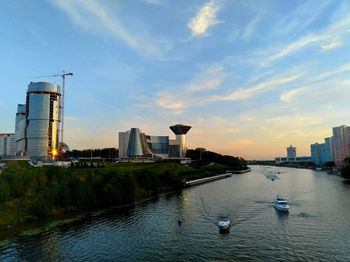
(317, 227)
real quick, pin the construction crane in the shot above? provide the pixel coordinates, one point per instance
(63, 75)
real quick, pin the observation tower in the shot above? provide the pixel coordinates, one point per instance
(180, 132)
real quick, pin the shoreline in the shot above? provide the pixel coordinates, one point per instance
(88, 192)
(40, 226)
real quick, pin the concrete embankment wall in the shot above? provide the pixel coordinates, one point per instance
(206, 179)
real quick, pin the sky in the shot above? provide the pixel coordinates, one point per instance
(250, 77)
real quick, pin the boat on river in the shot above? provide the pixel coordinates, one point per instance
(224, 223)
(281, 204)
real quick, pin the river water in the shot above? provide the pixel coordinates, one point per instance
(317, 227)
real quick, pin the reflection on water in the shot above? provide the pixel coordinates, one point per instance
(316, 228)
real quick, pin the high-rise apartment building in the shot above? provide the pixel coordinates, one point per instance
(341, 144)
(322, 153)
(20, 129)
(7, 144)
(291, 153)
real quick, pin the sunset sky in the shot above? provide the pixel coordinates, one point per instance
(250, 77)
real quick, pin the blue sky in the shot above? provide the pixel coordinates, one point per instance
(250, 77)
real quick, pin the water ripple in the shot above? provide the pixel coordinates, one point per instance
(315, 229)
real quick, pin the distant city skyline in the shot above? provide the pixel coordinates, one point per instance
(250, 77)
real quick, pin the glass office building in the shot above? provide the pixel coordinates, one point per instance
(42, 120)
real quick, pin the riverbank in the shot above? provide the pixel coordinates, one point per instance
(30, 195)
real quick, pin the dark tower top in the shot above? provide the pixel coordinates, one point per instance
(180, 129)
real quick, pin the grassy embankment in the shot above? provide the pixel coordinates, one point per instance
(31, 194)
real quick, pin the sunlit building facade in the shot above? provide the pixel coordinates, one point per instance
(341, 144)
(38, 122)
(133, 144)
(180, 142)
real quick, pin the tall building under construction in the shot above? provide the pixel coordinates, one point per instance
(38, 122)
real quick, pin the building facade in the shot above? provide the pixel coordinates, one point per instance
(322, 153)
(291, 153)
(341, 144)
(133, 144)
(20, 130)
(7, 144)
(292, 157)
(42, 120)
(180, 131)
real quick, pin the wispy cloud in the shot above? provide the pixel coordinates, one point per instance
(245, 93)
(251, 27)
(93, 16)
(205, 18)
(182, 97)
(332, 43)
(328, 38)
(288, 95)
(210, 79)
(329, 73)
(323, 95)
(193, 93)
(307, 12)
(153, 2)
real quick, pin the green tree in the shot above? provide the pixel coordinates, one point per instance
(329, 164)
(345, 171)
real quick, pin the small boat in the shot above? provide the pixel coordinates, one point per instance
(281, 204)
(179, 221)
(224, 223)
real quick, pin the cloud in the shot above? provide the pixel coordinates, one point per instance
(210, 79)
(341, 69)
(245, 93)
(307, 12)
(289, 95)
(297, 45)
(192, 93)
(329, 38)
(93, 16)
(200, 91)
(320, 97)
(205, 18)
(251, 27)
(153, 2)
(332, 43)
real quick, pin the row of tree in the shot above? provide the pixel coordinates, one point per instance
(205, 157)
(35, 193)
(106, 153)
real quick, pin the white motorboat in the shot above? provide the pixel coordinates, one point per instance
(281, 204)
(224, 223)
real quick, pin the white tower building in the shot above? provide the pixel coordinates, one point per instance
(180, 132)
(43, 120)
